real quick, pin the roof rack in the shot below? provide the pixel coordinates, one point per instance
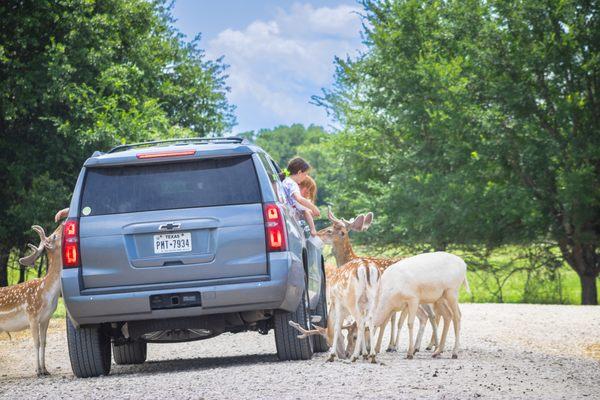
(181, 141)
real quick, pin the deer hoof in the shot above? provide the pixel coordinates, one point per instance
(331, 358)
(435, 355)
(409, 356)
(454, 356)
(354, 358)
(428, 348)
(391, 350)
(373, 361)
(416, 350)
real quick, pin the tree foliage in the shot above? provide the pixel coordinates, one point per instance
(78, 76)
(475, 123)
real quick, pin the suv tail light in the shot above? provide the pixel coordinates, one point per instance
(275, 228)
(70, 244)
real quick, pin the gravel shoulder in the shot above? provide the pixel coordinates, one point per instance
(509, 351)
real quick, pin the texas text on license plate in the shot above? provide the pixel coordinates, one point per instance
(172, 242)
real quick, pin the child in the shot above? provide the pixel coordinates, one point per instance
(298, 169)
(308, 189)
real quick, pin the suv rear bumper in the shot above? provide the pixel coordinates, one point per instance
(282, 290)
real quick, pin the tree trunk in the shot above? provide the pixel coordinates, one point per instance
(4, 253)
(589, 292)
(582, 258)
(22, 271)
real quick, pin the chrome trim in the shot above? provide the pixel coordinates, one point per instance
(171, 226)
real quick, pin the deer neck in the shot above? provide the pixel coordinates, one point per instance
(343, 252)
(54, 268)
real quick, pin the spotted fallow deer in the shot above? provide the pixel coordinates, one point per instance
(32, 303)
(352, 290)
(337, 235)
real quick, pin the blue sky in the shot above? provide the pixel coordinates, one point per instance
(279, 52)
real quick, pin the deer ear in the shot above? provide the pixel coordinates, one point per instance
(368, 221)
(357, 223)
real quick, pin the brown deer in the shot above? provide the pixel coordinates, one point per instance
(32, 303)
(337, 235)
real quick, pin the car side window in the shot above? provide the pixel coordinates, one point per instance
(273, 176)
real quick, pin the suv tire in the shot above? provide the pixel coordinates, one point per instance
(130, 352)
(289, 347)
(320, 343)
(89, 350)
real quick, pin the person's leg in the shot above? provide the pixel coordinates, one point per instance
(311, 223)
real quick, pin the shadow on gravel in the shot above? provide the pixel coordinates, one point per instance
(190, 364)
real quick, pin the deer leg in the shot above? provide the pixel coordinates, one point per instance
(34, 326)
(350, 339)
(337, 331)
(452, 298)
(413, 306)
(360, 337)
(392, 343)
(422, 323)
(401, 320)
(372, 333)
(381, 332)
(43, 332)
(366, 349)
(435, 321)
(447, 315)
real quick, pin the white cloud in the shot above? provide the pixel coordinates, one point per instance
(276, 65)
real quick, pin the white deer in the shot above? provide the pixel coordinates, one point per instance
(32, 303)
(430, 278)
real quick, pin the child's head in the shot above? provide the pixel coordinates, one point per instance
(298, 168)
(308, 189)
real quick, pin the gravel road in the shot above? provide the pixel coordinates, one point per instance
(509, 351)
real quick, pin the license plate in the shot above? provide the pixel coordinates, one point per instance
(173, 243)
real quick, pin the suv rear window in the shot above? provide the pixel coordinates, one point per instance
(199, 183)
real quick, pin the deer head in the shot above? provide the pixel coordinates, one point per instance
(51, 243)
(337, 234)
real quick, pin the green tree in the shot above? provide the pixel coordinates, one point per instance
(476, 124)
(78, 76)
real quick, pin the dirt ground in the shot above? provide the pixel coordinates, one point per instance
(509, 351)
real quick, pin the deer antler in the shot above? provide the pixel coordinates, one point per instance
(37, 250)
(304, 332)
(29, 261)
(332, 217)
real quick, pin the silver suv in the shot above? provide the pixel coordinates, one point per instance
(183, 240)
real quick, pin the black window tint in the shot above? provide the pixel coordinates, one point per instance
(268, 167)
(200, 183)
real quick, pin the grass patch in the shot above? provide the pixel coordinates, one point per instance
(510, 274)
(61, 311)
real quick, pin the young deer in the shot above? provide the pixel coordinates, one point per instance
(32, 303)
(337, 236)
